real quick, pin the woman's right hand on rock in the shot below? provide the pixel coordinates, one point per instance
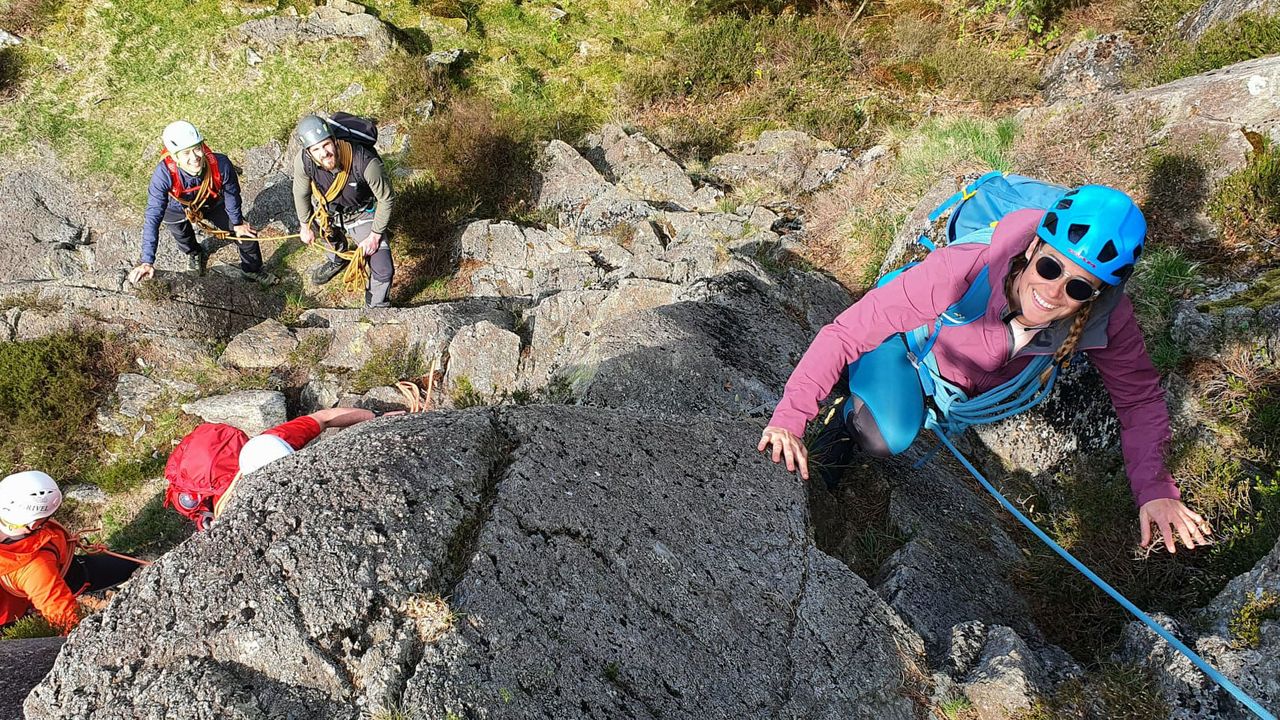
(786, 444)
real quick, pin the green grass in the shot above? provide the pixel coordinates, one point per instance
(1162, 278)
(126, 474)
(31, 626)
(938, 147)
(465, 395)
(111, 76)
(872, 235)
(49, 391)
(1246, 206)
(152, 530)
(388, 366)
(1116, 691)
(1091, 514)
(1246, 37)
(954, 709)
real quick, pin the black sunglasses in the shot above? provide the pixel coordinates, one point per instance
(1078, 288)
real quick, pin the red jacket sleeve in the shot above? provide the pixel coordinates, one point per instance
(297, 432)
(41, 580)
(1133, 383)
(913, 298)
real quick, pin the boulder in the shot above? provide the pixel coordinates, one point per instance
(383, 398)
(788, 162)
(571, 187)
(483, 359)
(528, 562)
(1088, 67)
(356, 336)
(58, 227)
(326, 22)
(250, 410)
(638, 166)
(23, 663)
(1253, 664)
(1213, 12)
(266, 345)
(135, 393)
(518, 261)
(318, 395)
(1007, 677)
(1212, 106)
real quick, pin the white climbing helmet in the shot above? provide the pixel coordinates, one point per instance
(29, 496)
(262, 450)
(180, 135)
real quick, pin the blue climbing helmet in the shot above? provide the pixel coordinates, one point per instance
(1098, 227)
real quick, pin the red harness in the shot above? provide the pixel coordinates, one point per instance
(178, 191)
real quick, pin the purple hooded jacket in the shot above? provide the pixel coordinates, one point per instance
(976, 356)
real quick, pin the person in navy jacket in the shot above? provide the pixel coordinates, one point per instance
(191, 186)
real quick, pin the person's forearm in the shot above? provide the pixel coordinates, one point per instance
(231, 192)
(301, 192)
(341, 417)
(376, 177)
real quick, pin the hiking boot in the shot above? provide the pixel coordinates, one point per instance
(262, 277)
(197, 262)
(327, 270)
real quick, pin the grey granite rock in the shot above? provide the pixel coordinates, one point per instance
(250, 410)
(499, 564)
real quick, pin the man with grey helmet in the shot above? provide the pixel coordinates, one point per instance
(342, 192)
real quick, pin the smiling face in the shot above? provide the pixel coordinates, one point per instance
(191, 160)
(325, 154)
(1043, 301)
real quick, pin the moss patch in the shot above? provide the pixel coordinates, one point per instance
(1245, 624)
(1246, 206)
(1116, 691)
(1263, 292)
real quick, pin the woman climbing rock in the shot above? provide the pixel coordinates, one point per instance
(981, 326)
(38, 564)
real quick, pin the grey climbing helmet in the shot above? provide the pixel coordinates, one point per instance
(313, 129)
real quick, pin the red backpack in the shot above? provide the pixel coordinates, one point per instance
(200, 470)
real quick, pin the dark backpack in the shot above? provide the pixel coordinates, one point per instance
(353, 128)
(201, 468)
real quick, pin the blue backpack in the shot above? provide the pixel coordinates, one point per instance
(974, 213)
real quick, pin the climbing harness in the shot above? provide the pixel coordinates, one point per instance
(356, 275)
(950, 411)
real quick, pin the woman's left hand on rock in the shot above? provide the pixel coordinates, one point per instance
(1172, 517)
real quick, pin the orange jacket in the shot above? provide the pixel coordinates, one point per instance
(31, 572)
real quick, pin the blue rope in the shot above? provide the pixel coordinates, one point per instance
(1190, 654)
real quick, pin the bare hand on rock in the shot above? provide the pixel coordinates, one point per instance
(142, 272)
(1171, 517)
(786, 444)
